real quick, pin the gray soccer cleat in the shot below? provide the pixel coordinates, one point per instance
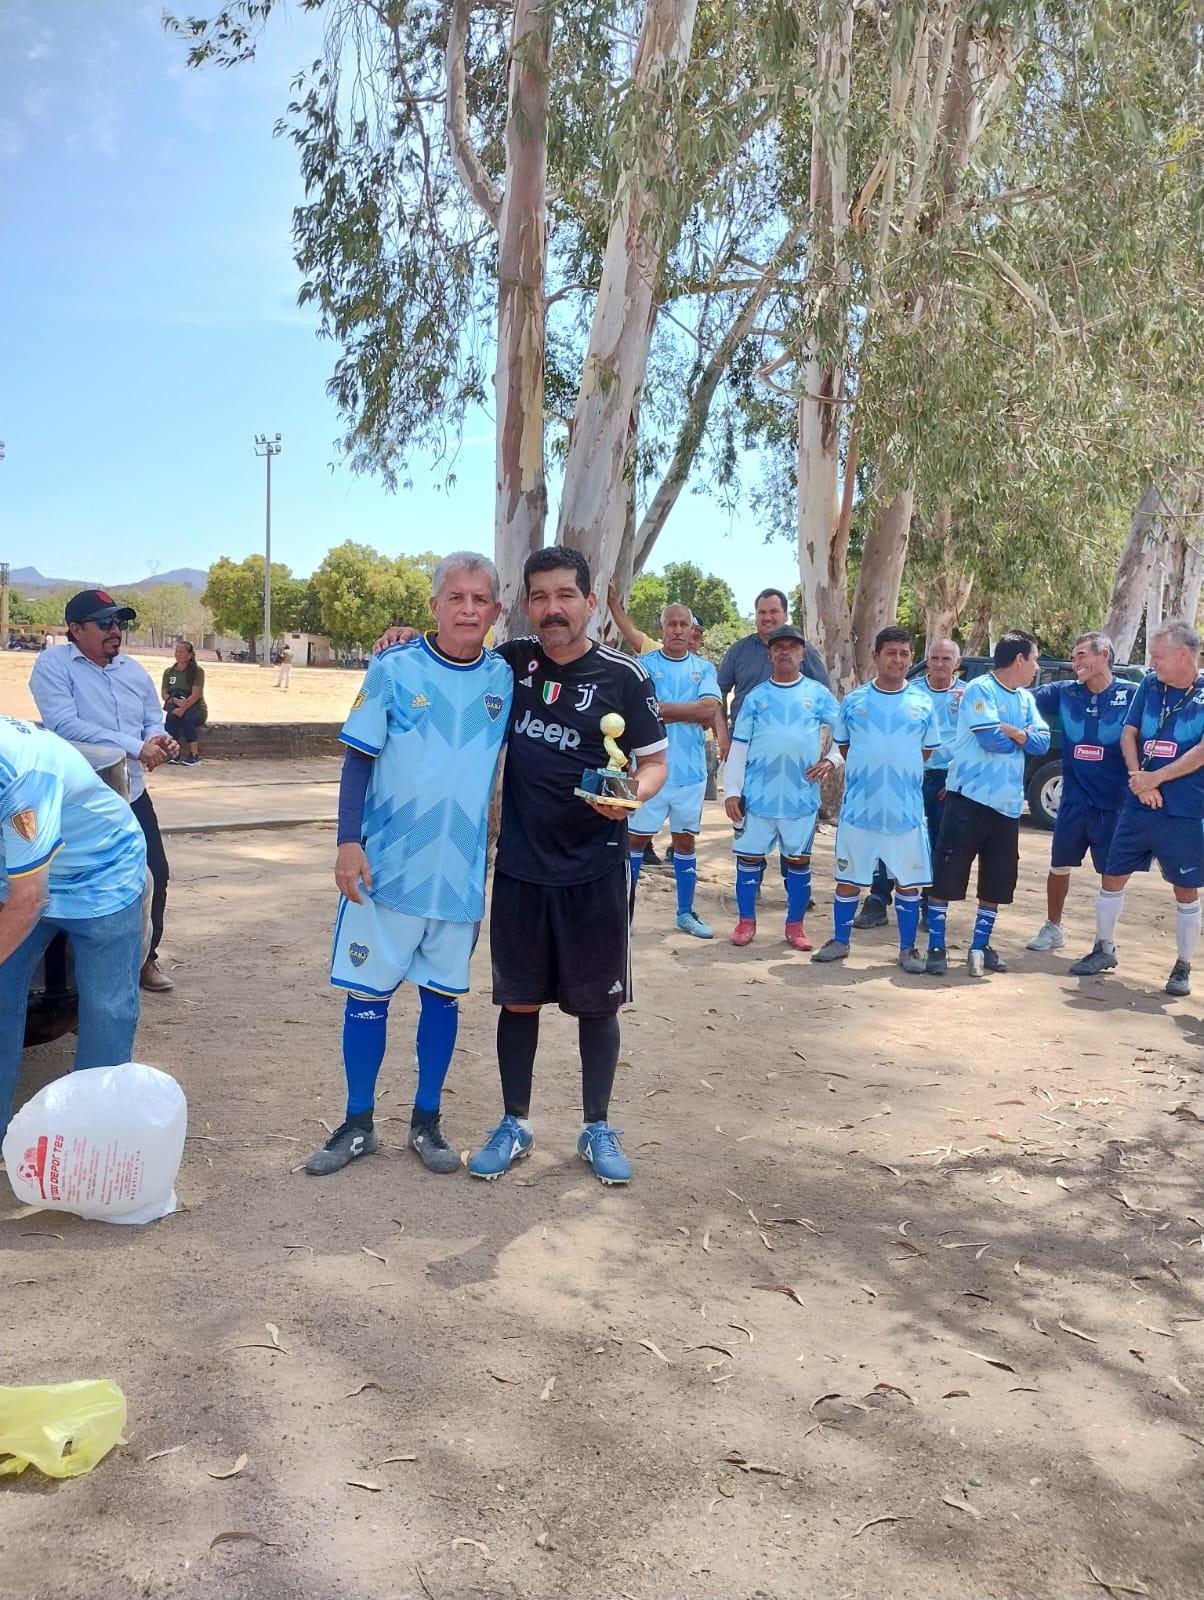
(436, 1155)
(937, 964)
(1050, 937)
(345, 1144)
(992, 960)
(1102, 958)
(872, 913)
(912, 961)
(1179, 982)
(832, 951)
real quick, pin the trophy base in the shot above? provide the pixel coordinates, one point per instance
(611, 788)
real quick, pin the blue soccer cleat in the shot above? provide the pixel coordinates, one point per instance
(689, 922)
(599, 1144)
(508, 1142)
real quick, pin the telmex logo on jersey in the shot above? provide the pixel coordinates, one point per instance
(549, 732)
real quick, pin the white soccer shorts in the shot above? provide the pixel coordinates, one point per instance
(376, 950)
(681, 803)
(758, 836)
(908, 856)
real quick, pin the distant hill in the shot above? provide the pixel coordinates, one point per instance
(28, 580)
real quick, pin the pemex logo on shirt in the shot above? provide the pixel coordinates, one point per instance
(551, 693)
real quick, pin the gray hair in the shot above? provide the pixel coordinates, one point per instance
(1100, 643)
(1180, 632)
(677, 605)
(467, 561)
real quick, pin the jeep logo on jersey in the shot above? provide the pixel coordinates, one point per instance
(551, 693)
(493, 704)
(549, 732)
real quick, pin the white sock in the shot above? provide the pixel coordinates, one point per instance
(524, 1123)
(1187, 930)
(1108, 906)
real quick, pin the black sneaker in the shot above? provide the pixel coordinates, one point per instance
(872, 913)
(651, 859)
(937, 964)
(992, 960)
(192, 761)
(344, 1145)
(1179, 982)
(433, 1149)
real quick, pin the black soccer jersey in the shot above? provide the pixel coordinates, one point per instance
(548, 834)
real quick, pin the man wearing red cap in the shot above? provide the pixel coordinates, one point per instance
(90, 693)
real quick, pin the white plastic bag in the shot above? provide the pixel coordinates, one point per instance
(104, 1142)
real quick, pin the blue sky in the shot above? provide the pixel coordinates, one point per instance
(152, 327)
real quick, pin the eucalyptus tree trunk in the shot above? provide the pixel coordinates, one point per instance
(1129, 591)
(822, 529)
(947, 595)
(876, 599)
(521, 504)
(1185, 558)
(593, 503)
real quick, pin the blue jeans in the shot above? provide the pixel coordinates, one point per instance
(934, 810)
(107, 952)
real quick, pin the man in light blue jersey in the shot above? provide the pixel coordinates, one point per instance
(423, 738)
(997, 723)
(688, 694)
(73, 861)
(886, 730)
(772, 782)
(941, 684)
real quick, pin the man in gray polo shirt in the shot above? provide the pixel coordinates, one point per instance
(747, 663)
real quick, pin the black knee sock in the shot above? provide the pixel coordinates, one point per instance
(517, 1038)
(599, 1041)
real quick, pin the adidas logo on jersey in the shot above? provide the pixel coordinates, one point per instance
(525, 683)
(420, 703)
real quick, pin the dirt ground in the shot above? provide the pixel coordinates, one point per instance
(233, 692)
(986, 1197)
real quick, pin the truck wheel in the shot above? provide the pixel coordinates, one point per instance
(1044, 793)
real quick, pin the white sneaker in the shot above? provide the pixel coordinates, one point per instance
(1050, 937)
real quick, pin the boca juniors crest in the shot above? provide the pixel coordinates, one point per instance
(493, 704)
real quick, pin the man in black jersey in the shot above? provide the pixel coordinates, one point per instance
(559, 926)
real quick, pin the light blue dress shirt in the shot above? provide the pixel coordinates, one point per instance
(115, 704)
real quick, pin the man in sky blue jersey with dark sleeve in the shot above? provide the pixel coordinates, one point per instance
(887, 729)
(1091, 707)
(72, 860)
(688, 695)
(997, 723)
(423, 739)
(1162, 818)
(748, 663)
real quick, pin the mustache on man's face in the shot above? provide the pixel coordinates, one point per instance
(555, 622)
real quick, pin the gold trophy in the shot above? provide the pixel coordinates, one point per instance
(612, 784)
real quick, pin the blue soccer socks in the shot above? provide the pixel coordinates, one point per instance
(844, 909)
(984, 922)
(938, 910)
(365, 1025)
(438, 1022)
(748, 881)
(685, 871)
(798, 893)
(907, 915)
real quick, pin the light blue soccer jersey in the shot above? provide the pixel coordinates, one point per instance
(436, 728)
(947, 701)
(781, 725)
(54, 808)
(683, 682)
(994, 778)
(887, 734)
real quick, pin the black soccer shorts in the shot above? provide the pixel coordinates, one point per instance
(561, 944)
(970, 831)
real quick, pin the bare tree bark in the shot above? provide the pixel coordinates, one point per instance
(468, 164)
(822, 535)
(521, 504)
(1127, 605)
(593, 505)
(945, 597)
(877, 597)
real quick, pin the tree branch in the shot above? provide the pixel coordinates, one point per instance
(476, 180)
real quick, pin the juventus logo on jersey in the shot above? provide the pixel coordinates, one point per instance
(585, 695)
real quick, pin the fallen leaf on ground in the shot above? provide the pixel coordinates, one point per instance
(36, 1234)
(1194, 1439)
(476, 1545)
(389, 1460)
(956, 1394)
(1114, 1585)
(501, 1377)
(738, 1460)
(874, 1521)
(656, 1350)
(787, 1289)
(962, 1505)
(546, 1392)
(274, 1335)
(375, 1254)
(740, 1328)
(362, 1483)
(308, 1247)
(1185, 1113)
(371, 1384)
(159, 1454)
(1078, 1332)
(873, 1293)
(232, 1535)
(706, 1243)
(892, 1388)
(231, 1472)
(721, 1349)
(991, 1361)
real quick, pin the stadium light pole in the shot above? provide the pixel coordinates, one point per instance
(267, 447)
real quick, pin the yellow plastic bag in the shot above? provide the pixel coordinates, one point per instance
(63, 1429)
